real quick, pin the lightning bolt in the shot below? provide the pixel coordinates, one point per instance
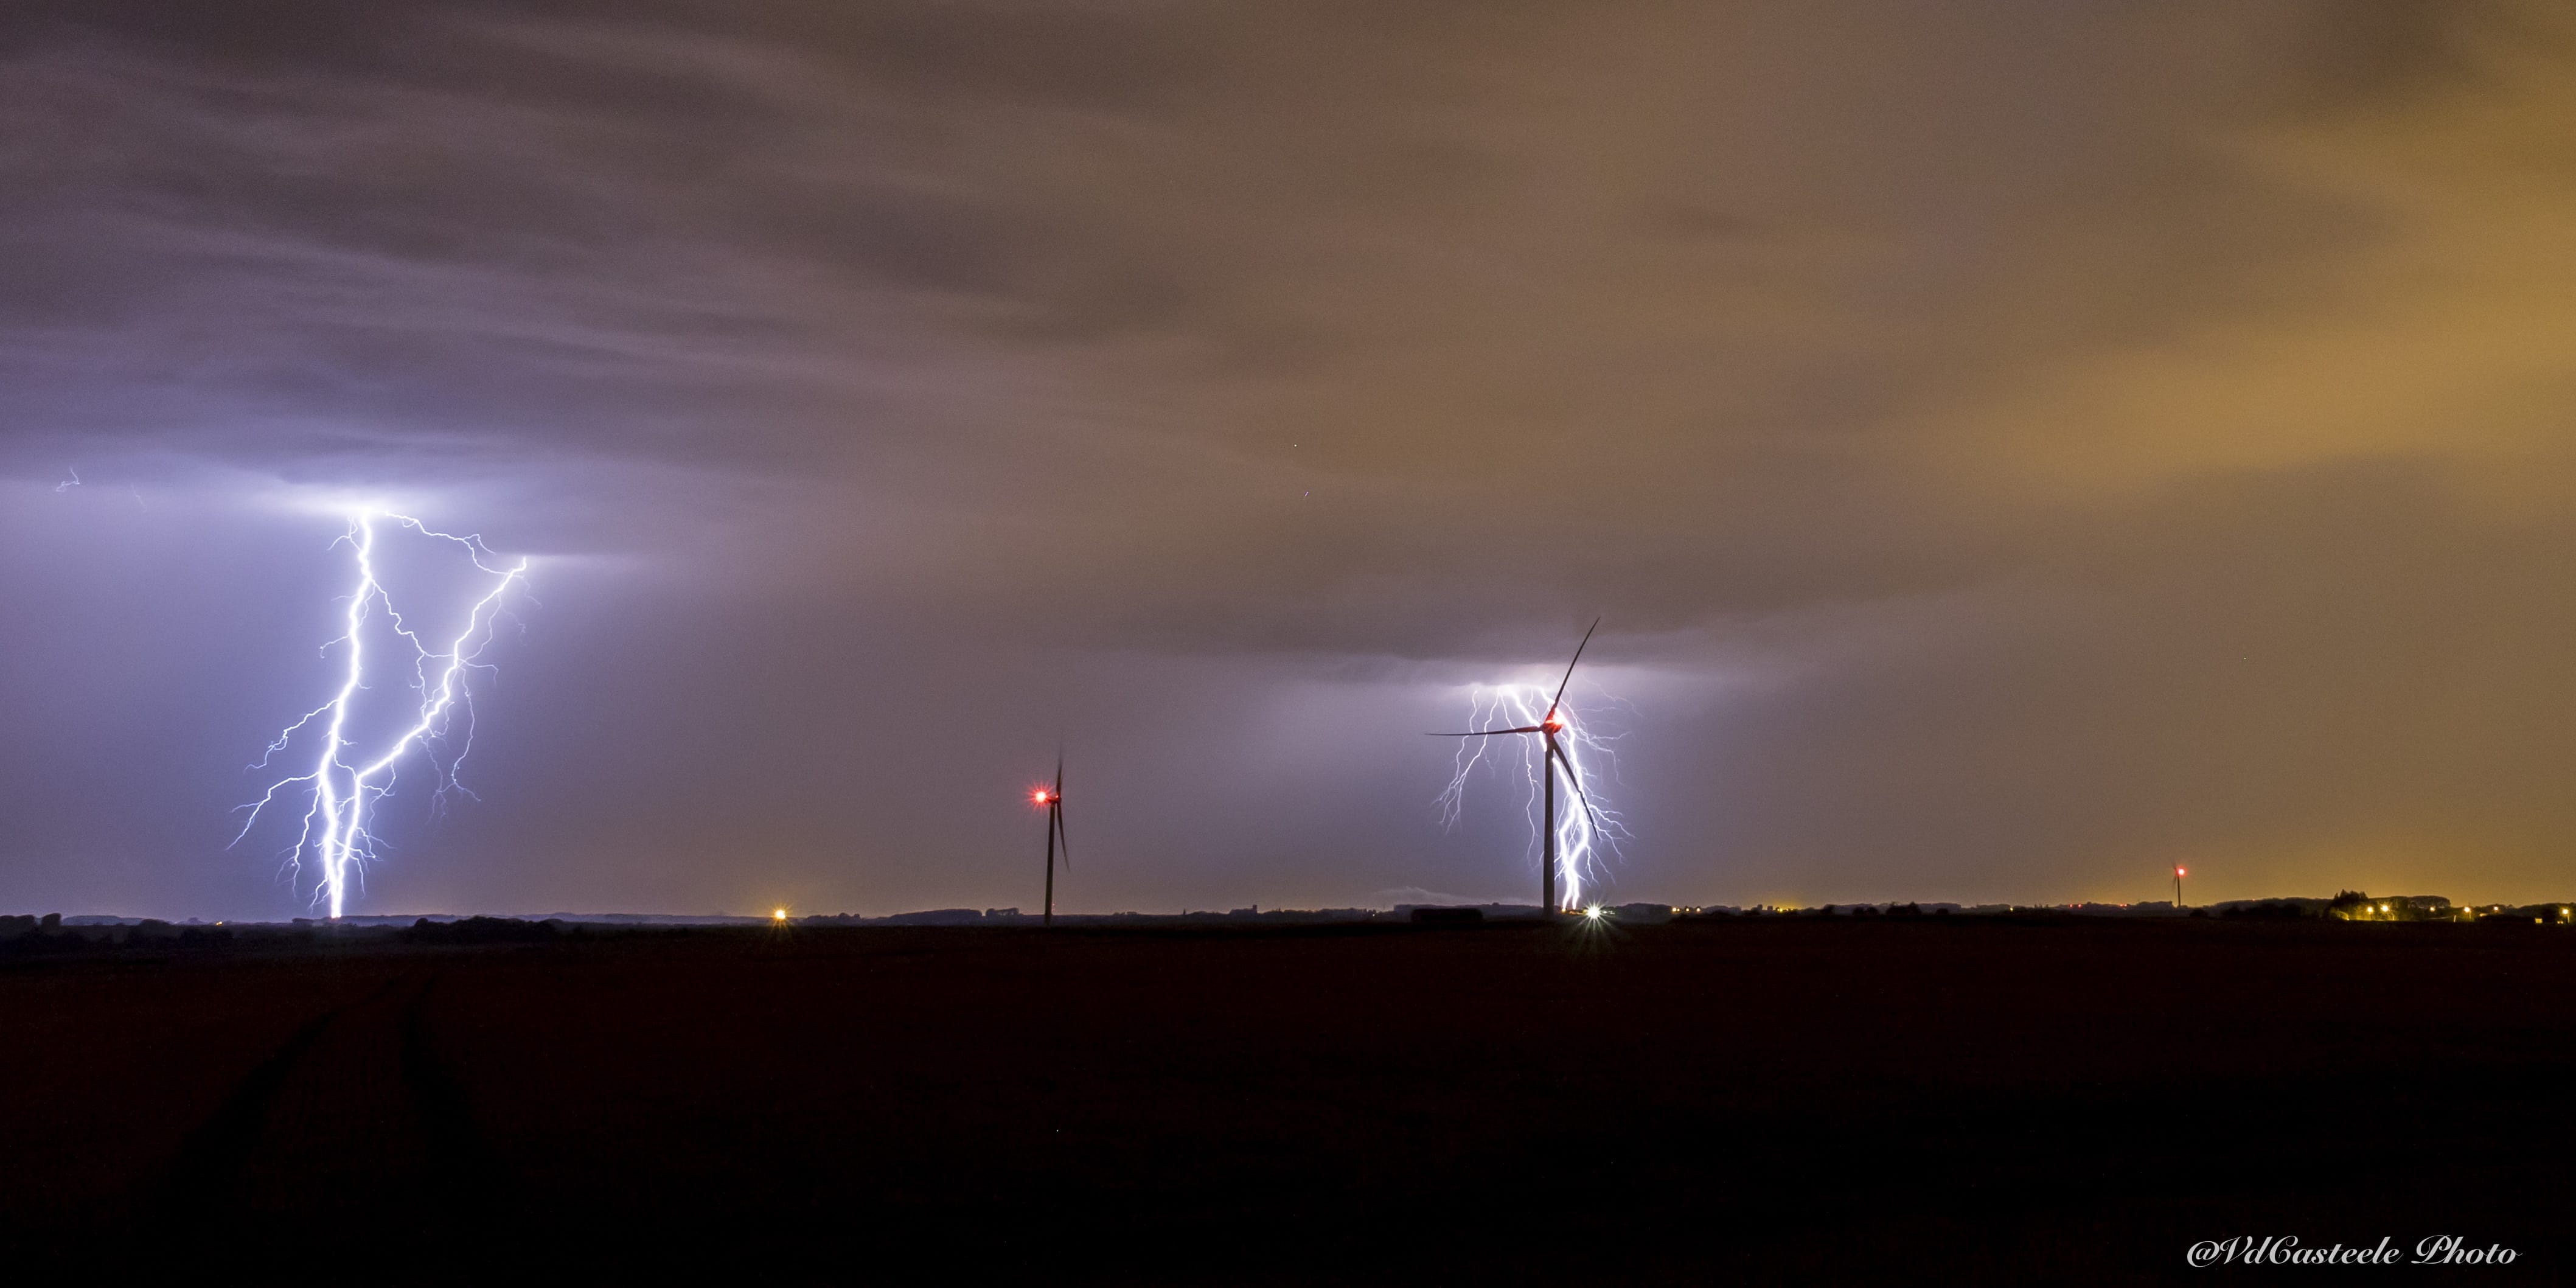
(1580, 845)
(339, 788)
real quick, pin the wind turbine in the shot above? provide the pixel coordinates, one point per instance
(1053, 799)
(1549, 727)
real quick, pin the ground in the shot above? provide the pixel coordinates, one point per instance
(1800, 1101)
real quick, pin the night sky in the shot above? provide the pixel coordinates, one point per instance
(2015, 448)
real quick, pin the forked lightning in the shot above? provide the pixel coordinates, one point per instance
(1571, 844)
(340, 787)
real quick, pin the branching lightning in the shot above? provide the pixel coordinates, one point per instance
(1583, 836)
(341, 787)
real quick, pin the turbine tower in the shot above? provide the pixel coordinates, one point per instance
(1548, 728)
(1053, 799)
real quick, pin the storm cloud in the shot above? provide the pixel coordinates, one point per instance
(2014, 447)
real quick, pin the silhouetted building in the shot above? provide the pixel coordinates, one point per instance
(1448, 916)
(937, 917)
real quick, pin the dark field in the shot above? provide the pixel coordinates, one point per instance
(2071, 1101)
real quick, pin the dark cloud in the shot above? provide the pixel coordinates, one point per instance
(1935, 400)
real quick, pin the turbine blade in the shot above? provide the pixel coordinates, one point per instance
(1569, 667)
(1063, 845)
(1577, 781)
(1488, 733)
